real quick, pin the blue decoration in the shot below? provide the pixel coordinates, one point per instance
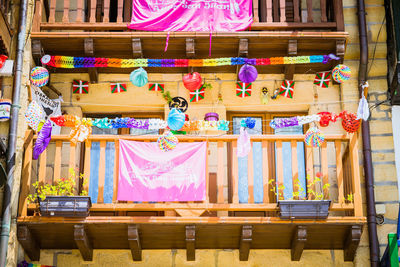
(176, 119)
(250, 122)
(139, 77)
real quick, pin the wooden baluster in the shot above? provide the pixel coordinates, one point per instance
(86, 170)
(339, 171)
(310, 167)
(106, 17)
(355, 175)
(72, 152)
(65, 18)
(323, 11)
(282, 6)
(339, 17)
(324, 168)
(120, 9)
(235, 175)
(250, 175)
(79, 11)
(102, 171)
(38, 16)
(42, 167)
(207, 176)
(265, 171)
(269, 11)
(220, 172)
(92, 18)
(52, 11)
(116, 170)
(309, 11)
(295, 167)
(275, 6)
(279, 166)
(255, 11)
(26, 174)
(57, 161)
(296, 10)
(127, 10)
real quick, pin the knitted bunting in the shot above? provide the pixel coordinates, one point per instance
(80, 87)
(322, 79)
(287, 89)
(243, 89)
(156, 87)
(118, 87)
(197, 95)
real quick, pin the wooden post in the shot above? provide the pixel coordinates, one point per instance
(52, 15)
(86, 170)
(255, 11)
(102, 171)
(295, 167)
(352, 241)
(298, 242)
(265, 171)
(83, 242)
(134, 242)
(190, 242)
(220, 172)
(339, 170)
(37, 19)
(235, 174)
(339, 17)
(279, 166)
(65, 18)
(245, 242)
(355, 175)
(324, 167)
(250, 175)
(26, 173)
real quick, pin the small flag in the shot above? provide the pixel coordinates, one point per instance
(197, 95)
(322, 79)
(156, 87)
(243, 89)
(287, 89)
(80, 87)
(118, 87)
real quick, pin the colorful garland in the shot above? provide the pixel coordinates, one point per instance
(97, 62)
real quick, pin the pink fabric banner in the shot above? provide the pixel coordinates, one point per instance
(191, 15)
(148, 174)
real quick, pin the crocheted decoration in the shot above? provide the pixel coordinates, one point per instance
(34, 114)
(139, 77)
(156, 87)
(243, 89)
(42, 140)
(326, 117)
(341, 73)
(287, 89)
(314, 137)
(176, 119)
(322, 79)
(118, 87)
(192, 81)
(39, 76)
(167, 141)
(80, 87)
(197, 95)
(350, 122)
(248, 73)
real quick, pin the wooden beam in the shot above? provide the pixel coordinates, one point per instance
(190, 48)
(245, 242)
(298, 242)
(28, 242)
(340, 49)
(243, 47)
(190, 242)
(352, 241)
(290, 68)
(37, 51)
(134, 242)
(83, 242)
(89, 51)
(137, 51)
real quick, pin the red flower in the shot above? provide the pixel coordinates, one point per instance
(319, 174)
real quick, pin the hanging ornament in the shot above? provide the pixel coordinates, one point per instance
(211, 116)
(139, 77)
(322, 79)
(80, 87)
(156, 87)
(248, 73)
(248, 123)
(176, 119)
(39, 76)
(179, 103)
(192, 81)
(363, 109)
(326, 117)
(341, 73)
(264, 95)
(287, 88)
(167, 141)
(276, 93)
(243, 89)
(42, 140)
(197, 95)
(118, 87)
(350, 122)
(314, 137)
(34, 114)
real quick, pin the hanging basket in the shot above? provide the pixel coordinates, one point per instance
(350, 122)
(211, 116)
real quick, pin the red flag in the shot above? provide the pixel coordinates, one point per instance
(243, 89)
(287, 89)
(80, 87)
(322, 79)
(118, 87)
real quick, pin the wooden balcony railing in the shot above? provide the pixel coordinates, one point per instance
(337, 160)
(105, 15)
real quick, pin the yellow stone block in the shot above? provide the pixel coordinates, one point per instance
(350, 15)
(373, 31)
(379, 127)
(385, 173)
(386, 193)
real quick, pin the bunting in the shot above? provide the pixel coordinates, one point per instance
(197, 95)
(80, 87)
(243, 89)
(118, 87)
(287, 89)
(322, 79)
(156, 87)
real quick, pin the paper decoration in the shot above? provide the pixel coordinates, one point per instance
(322, 79)
(34, 114)
(156, 87)
(248, 73)
(350, 122)
(314, 137)
(243, 89)
(341, 73)
(176, 119)
(139, 77)
(39, 76)
(167, 141)
(192, 81)
(118, 87)
(287, 89)
(197, 95)
(80, 87)
(42, 140)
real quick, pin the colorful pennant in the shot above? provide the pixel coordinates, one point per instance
(322, 79)
(243, 89)
(287, 89)
(156, 87)
(197, 95)
(80, 87)
(118, 87)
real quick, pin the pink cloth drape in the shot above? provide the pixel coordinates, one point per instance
(148, 174)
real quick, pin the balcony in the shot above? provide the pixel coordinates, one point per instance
(226, 220)
(99, 28)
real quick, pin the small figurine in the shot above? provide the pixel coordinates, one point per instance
(264, 95)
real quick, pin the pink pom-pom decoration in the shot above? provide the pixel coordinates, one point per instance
(314, 137)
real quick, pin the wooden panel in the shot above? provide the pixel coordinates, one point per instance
(65, 18)
(279, 164)
(42, 167)
(275, 6)
(323, 11)
(72, 154)
(339, 171)
(220, 172)
(26, 173)
(269, 10)
(102, 171)
(255, 11)
(88, 145)
(57, 161)
(52, 15)
(79, 11)
(106, 17)
(92, 18)
(296, 9)
(309, 11)
(116, 171)
(235, 175)
(282, 6)
(120, 9)
(309, 166)
(355, 175)
(250, 175)
(324, 167)
(265, 167)
(295, 167)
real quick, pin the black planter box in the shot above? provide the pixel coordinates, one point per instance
(65, 206)
(304, 209)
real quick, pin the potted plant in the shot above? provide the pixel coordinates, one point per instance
(304, 205)
(61, 199)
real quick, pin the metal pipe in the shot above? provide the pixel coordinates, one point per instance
(12, 136)
(368, 170)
